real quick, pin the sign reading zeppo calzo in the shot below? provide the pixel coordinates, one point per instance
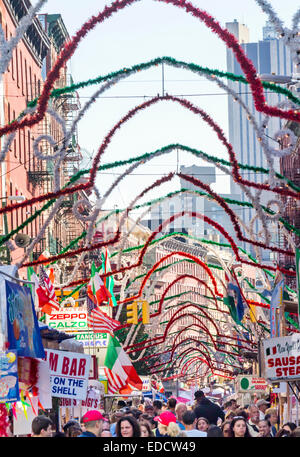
(69, 373)
(282, 358)
(68, 320)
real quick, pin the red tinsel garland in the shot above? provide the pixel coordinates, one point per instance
(235, 168)
(4, 421)
(209, 21)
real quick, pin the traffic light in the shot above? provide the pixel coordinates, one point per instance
(145, 312)
(132, 313)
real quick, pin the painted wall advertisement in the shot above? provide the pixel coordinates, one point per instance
(23, 331)
(282, 358)
(69, 374)
(9, 384)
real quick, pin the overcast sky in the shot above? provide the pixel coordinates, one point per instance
(140, 33)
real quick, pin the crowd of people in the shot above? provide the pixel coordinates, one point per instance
(173, 419)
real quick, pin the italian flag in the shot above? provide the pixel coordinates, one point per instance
(118, 368)
(109, 282)
(96, 289)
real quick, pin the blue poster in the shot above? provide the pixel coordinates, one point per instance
(9, 384)
(22, 324)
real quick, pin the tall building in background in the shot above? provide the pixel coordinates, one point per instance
(270, 55)
(193, 202)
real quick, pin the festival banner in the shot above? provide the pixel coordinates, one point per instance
(9, 384)
(23, 331)
(282, 358)
(69, 373)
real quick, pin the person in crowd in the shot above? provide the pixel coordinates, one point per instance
(121, 404)
(239, 428)
(166, 425)
(234, 404)
(206, 408)
(264, 427)
(262, 405)
(202, 424)
(105, 434)
(229, 415)
(180, 409)
(225, 427)
(93, 421)
(253, 420)
(214, 432)
(289, 427)
(128, 427)
(41, 427)
(171, 405)
(227, 407)
(282, 433)
(295, 433)
(272, 416)
(157, 408)
(146, 430)
(241, 412)
(149, 409)
(189, 421)
(114, 419)
(72, 429)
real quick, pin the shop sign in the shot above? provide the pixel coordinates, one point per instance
(68, 320)
(250, 384)
(282, 358)
(69, 373)
(91, 339)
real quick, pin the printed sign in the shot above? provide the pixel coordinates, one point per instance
(91, 339)
(9, 385)
(69, 374)
(68, 320)
(282, 358)
(250, 384)
(23, 331)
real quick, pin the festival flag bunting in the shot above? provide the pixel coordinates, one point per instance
(46, 292)
(96, 289)
(109, 282)
(234, 301)
(118, 368)
(100, 322)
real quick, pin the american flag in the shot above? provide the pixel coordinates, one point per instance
(48, 288)
(100, 322)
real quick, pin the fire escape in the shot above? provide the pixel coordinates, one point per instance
(290, 168)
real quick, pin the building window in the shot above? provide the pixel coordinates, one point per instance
(26, 82)
(24, 142)
(12, 63)
(17, 68)
(22, 76)
(20, 147)
(30, 81)
(8, 112)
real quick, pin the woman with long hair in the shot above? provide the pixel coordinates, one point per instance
(146, 429)
(225, 427)
(239, 428)
(128, 427)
